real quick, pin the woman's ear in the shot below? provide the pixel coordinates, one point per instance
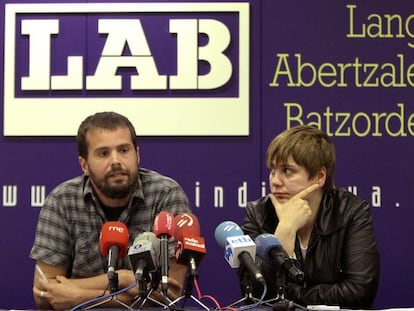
(321, 177)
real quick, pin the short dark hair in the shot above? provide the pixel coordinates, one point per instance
(102, 120)
(308, 146)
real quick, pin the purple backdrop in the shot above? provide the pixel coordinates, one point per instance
(368, 110)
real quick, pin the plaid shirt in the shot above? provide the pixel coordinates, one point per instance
(71, 219)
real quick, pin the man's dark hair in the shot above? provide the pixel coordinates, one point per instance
(102, 120)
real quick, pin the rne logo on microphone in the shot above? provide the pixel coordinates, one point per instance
(165, 61)
(116, 228)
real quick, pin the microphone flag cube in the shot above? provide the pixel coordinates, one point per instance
(235, 246)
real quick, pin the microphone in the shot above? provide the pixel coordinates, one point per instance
(164, 227)
(239, 248)
(113, 242)
(190, 248)
(186, 223)
(143, 254)
(270, 249)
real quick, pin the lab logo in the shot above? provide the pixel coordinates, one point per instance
(173, 69)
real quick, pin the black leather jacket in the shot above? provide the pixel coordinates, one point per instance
(342, 261)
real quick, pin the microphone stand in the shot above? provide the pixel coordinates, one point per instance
(113, 281)
(113, 288)
(280, 303)
(248, 292)
(155, 280)
(190, 277)
(142, 289)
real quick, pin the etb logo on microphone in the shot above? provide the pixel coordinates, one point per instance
(240, 241)
(236, 245)
(181, 61)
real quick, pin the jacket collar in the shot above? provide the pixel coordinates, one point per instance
(330, 218)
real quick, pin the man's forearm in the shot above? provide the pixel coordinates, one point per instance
(125, 279)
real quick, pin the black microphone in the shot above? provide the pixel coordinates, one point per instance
(164, 226)
(239, 248)
(270, 249)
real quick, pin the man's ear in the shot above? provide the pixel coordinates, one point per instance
(138, 157)
(84, 165)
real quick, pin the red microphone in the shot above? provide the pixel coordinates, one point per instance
(191, 247)
(186, 222)
(113, 243)
(164, 224)
(164, 227)
(113, 233)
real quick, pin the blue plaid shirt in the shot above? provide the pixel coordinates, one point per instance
(70, 221)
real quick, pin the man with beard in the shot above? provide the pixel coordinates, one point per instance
(112, 188)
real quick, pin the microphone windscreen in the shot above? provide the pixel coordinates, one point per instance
(225, 230)
(265, 243)
(114, 233)
(186, 224)
(164, 224)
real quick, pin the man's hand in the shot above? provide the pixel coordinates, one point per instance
(61, 294)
